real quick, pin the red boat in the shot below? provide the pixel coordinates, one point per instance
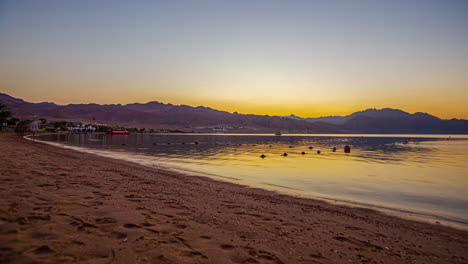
(118, 132)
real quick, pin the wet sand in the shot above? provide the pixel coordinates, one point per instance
(62, 206)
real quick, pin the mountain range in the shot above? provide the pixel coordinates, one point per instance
(203, 119)
(159, 115)
(385, 113)
(392, 121)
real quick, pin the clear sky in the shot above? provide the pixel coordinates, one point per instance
(309, 58)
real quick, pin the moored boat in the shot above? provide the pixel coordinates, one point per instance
(118, 132)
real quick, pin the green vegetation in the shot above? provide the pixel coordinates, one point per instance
(21, 126)
(102, 128)
(61, 124)
(6, 116)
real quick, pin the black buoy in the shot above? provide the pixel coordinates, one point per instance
(311, 147)
(123, 144)
(183, 143)
(303, 153)
(154, 143)
(290, 146)
(285, 154)
(334, 149)
(270, 146)
(263, 156)
(318, 151)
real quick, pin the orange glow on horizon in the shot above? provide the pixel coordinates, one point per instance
(445, 111)
(310, 58)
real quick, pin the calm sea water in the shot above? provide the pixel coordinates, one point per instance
(426, 178)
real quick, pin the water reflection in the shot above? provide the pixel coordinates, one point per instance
(427, 175)
(364, 149)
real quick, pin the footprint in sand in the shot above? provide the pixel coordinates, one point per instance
(226, 246)
(152, 230)
(194, 253)
(106, 220)
(131, 226)
(44, 250)
(6, 180)
(317, 256)
(118, 235)
(45, 185)
(358, 243)
(265, 255)
(38, 217)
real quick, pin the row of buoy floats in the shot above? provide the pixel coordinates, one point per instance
(347, 149)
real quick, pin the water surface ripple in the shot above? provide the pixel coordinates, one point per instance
(424, 178)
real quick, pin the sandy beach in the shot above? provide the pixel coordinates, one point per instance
(62, 206)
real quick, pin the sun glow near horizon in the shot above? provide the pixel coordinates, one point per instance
(305, 58)
(309, 109)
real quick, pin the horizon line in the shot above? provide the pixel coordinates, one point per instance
(233, 112)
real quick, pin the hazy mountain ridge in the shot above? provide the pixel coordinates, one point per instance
(159, 115)
(388, 120)
(385, 113)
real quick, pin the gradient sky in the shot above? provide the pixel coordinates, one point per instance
(309, 58)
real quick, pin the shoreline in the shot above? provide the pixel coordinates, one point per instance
(392, 211)
(69, 206)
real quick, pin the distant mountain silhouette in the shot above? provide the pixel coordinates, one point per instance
(335, 120)
(159, 115)
(22, 108)
(388, 120)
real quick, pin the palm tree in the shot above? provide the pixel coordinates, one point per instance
(4, 114)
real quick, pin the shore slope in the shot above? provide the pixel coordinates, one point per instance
(63, 206)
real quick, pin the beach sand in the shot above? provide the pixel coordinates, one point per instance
(63, 206)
